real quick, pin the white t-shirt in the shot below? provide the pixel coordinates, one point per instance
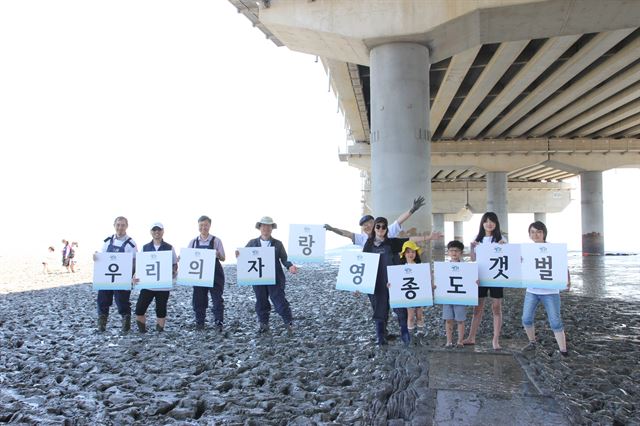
(394, 230)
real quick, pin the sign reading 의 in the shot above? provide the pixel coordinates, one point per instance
(256, 266)
(544, 265)
(499, 265)
(306, 243)
(358, 272)
(410, 285)
(112, 271)
(456, 283)
(196, 267)
(154, 270)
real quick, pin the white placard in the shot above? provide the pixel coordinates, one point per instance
(196, 267)
(499, 265)
(544, 265)
(154, 270)
(456, 283)
(306, 243)
(358, 272)
(112, 271)
(256, 266)
(410, 285)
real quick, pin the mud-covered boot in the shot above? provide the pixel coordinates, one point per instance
(102, 323)
(380, 333)
(142, 327)
(405, 335)
(126, 323)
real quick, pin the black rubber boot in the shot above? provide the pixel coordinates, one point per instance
(142, 327)
(405, 335)
(159, 328)
(126, 323)
(380, 331)
(102, 323)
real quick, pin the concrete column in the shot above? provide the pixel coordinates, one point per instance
(592, 213)
(439, 244)
(540, 216)
(366, 192)
(497, 199)
(458, 230)
(400, 147)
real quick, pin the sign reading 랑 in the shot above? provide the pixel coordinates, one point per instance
(306, 243)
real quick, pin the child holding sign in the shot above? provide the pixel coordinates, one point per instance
(411, 255)
(550, 298)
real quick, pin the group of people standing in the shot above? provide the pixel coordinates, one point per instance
(68, 253)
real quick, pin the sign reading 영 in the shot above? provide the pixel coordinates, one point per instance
(358, 272)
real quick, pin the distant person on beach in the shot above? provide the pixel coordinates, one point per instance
(410, 255)
(366, 225)
(200, 298)
(550, 299)
(489, 232)
(388, 249)
(160, 295)
(276, 292)
(73, 256)
(454, 314)
(48, 260)
(119, 242)
(66, 250)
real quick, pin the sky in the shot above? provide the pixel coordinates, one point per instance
(165, 111)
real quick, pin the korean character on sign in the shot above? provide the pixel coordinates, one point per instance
(409, 286)
(502, 263)
(307, 242)
(153, 269)
(358, 272)
(456, 287)
(256, 265)
(545, 265)
(113, 271)
(196, 267)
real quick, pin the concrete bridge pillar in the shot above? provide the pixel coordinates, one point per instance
(540, 216)
(592, 213)
(458, 230)
(497, 199)
(400, 145)
(438, 245)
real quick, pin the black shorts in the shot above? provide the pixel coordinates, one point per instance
(493, 292)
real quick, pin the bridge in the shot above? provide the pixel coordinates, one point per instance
(485, 105)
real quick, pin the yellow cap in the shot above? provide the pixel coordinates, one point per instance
(410, 245)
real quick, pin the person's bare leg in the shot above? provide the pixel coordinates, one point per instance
(449, 329)
(531, 333)
(460, 333)
(475, 322)
(420, 317)
(411, 312)
(561, 339)
(496, 308)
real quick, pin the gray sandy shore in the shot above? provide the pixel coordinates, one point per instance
(55, 368)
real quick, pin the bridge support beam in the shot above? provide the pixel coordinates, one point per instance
(438, 245)
(497, 199)
(400, 146)
(592, 213)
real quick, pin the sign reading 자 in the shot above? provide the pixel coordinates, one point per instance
(256, 266)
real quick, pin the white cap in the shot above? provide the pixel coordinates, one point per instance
(157, 225)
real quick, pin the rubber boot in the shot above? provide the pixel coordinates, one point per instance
(405, 335)
(126, 323)
(380, 329)
(102, 323)
(142, 327)
(159, 328)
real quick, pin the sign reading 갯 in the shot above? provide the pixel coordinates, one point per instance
(544, 265)
(306, 243)
(410, 285)
(196, 267)
(456, 283)
(499, 265)
(358, 272)
(113, 271)
(154, 270)
(256, 266)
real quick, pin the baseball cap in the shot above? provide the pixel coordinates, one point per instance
(157, 225)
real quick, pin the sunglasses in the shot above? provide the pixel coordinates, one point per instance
(381, 226)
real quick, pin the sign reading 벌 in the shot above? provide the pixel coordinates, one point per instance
(154, 270)
(112, 271)
(456, 283)
(499, 265)
(358, 272)
(256, 266)
(196, 267)
(306, 243)
(544, 265)
(410, 285)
